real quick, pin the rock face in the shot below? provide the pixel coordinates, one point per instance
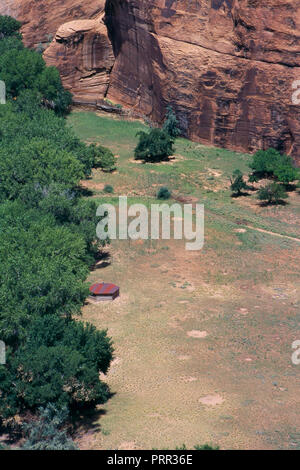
(226, 66)
(84, 55)
(42, 18)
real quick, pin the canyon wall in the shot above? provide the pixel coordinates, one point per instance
(226, 66)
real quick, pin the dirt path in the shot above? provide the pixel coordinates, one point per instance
(273, 233)
(251, 227)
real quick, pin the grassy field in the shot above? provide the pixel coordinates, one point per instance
(202, 339)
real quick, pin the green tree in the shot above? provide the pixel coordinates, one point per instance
(47, 431)
(10, 43)
(47, 245)
(36, 163)
(24, 69)
(48, 83)
(171, 123)
(20, 70)
(58, 361)
(272, 193)
(237, 183)
(18, 127)
(9, 27)
(285, 172)
(103, 158)
(154, 146)
(29, 102)
(271, 164)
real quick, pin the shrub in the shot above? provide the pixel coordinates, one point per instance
(272, 193)
(108, 189)
(40, 48)
(163, 193)
(199, 447)
(113, 105)
(206, 447)
(154, 146)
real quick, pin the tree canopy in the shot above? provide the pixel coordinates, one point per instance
(48, 242)
(9, 27)
(171, 123)
(154, 146)
(272, 164)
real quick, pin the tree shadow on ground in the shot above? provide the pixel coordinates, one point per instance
(103, 260)
(290, 187)
(273, 203)
(10, 435)
(86, 420)
(84, 192)
(143, 161)
(241, 194)
(252, 188)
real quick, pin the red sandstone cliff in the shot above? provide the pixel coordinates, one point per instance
(226, 66)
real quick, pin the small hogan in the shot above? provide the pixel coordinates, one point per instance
(102, 291)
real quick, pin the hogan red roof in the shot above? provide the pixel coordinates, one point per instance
(103, 289)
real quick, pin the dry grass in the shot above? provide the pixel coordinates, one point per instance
(163, 369)
(202, 339)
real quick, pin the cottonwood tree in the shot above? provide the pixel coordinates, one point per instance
(154, 146)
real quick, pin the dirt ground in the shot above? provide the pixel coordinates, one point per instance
(202, 339)
(202, 354)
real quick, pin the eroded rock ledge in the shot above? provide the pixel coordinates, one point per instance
(226, 66)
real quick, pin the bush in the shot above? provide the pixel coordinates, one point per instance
(199, 447)
(154, 146)
(206, 447)
(163, 193)
(108, 189)
(272, 193)
(113, 105)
